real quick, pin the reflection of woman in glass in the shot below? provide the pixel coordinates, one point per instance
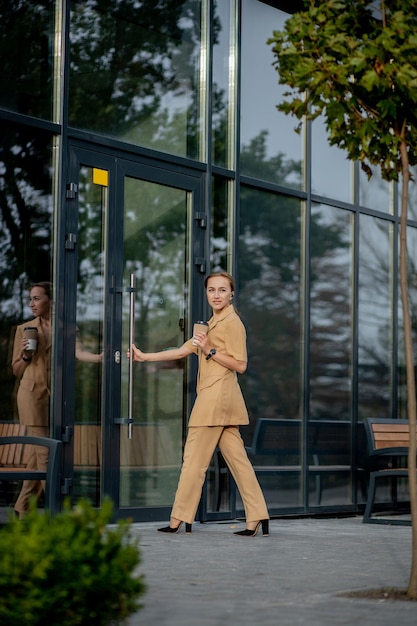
(218, 411)
(33, 369)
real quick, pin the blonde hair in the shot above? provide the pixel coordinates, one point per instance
(224, 274)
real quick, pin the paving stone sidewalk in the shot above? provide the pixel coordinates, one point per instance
(294, 576)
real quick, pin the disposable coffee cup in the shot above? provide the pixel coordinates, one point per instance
(31, 334)
(199, 327)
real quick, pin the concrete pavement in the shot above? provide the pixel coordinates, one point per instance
(297, 575)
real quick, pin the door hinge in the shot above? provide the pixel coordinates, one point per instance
(66, 434)
(202, 218)
(201, 264)
(70, 241)
(66, 486)
(72, 190)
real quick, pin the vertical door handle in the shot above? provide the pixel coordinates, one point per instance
(131, 340)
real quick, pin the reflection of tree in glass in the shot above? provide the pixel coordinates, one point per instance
(155, 227)
(25, 215)
(374, 318)
(330, 319)
(269, 292)
(91, 226)
(26, 56)
(25, 232)
(132, 61)
(254, 162)
(374, 286)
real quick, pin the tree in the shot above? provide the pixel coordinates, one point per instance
(355, 63)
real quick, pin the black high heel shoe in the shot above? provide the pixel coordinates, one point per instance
(170, 529)
(254, 532)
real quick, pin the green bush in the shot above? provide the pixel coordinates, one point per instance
(68, 570)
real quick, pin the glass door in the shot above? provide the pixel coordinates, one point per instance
(91, 345)
(154, 316)
(138, 240)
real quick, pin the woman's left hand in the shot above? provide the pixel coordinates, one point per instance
(201, 340)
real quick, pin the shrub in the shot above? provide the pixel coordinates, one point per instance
(68, 570)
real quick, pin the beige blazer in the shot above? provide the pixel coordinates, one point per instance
(219, 399)
(34, 386)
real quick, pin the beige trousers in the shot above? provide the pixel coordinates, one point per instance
(37, 459)
(199, 448)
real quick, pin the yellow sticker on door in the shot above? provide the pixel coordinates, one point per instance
(100, 177)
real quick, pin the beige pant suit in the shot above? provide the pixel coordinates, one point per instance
(218, 412)
(33, 407)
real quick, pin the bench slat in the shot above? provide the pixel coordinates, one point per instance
(396, 428)
(388, 434)
(12, 454)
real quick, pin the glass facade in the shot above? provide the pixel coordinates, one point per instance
(26, 234)
(136, 73)
(270, 149)
(141, 148)
(28, 53)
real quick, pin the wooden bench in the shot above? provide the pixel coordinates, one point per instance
(388, 440)
(14, 449)
(277, 448)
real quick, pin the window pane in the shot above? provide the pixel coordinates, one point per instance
(412, 195)
(26, 53)
(25, 214)
(412, 297)
(331, 172)
(331, 297)
(223, 84)
(270, 148)
(92, 214)
(135, 72)
(25, 250)
(219, 239)
(269, 302)
(155, 235)
(374, 324)
(375, 192)
(330, 348)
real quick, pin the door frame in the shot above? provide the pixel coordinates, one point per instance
(192, 181)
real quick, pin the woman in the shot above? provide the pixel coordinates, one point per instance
(33, 369)
(34, 373)
(218, 412)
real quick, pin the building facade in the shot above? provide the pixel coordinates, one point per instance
(141, 148)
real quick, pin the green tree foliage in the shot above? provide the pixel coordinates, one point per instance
(355, 63)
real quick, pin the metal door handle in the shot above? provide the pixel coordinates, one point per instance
(131, 340)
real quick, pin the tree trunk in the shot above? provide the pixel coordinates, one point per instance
(409, 360)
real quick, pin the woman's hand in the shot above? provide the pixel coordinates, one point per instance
(201, 340)
(137, 354)
(25, 344)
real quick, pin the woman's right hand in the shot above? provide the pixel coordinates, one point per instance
(137, 354)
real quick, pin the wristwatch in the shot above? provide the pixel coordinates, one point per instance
(210, 354)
